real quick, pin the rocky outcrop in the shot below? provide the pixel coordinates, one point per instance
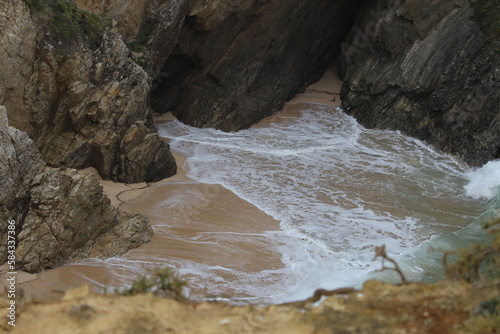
(236, 62)
(84, 103)
(20, 161)
(58, 214)
(150, 27)
(426, 68)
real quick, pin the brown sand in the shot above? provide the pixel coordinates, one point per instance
(325, 91)
(190, 219)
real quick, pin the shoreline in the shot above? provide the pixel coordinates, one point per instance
(192, 201)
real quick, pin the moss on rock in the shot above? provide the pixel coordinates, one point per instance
(69, 21)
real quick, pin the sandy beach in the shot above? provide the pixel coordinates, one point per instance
(187, 216)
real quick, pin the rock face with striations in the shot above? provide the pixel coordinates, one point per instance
(237, 62)
(150, 27)
(59, 214)
(79, 96)
(426, 68)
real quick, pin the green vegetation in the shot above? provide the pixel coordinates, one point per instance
(139, 44)
(486, 319)
(68, 21)
(488, 16)
(145, 33)
(478, 262)
(162, 282)
(481, 264)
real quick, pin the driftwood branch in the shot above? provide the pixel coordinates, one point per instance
(380, 252)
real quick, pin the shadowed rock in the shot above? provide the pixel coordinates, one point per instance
(426, 68)
(237, 62)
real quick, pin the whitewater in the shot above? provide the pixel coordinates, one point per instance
(296, 203)
(337, 190)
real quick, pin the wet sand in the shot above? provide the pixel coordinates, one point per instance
(195, 222)
(325, 91)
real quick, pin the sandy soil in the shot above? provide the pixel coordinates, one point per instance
(325, 91)
(446, 307)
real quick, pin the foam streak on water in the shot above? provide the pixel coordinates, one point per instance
(337, 189)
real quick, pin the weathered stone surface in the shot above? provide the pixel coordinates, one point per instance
(151, 28)
(17, 54)
(77, 102)
(239, 61)
(20, 161)
(128, 14)
(68, 214)
(59, 214)
(425, 67)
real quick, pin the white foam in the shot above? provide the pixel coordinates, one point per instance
(337, 189)
(484, 182)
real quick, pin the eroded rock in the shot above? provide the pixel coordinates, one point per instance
(237, 62)
(426, 68)
(77, 100)
(59, 214)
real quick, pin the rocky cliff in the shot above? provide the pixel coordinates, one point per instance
(238, 61)
(78, 81)
(71, 77)
(68, 81)
(58, 214)
(429, 69)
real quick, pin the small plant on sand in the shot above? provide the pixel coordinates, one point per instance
(163, 282)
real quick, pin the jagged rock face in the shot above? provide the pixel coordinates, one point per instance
(59, 214)
(239, 61)
(150, 27)
(82, 106)
(20, 161)
(68, 208)
(128, 14)
(425, 67)
(17, 54)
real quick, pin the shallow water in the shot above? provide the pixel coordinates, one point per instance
(337, 190)
(297, 203)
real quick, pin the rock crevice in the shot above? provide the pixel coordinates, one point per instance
(238, 62)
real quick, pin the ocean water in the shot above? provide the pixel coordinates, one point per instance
(337, 191)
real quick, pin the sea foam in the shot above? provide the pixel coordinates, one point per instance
(337, 189)
(484, 182)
